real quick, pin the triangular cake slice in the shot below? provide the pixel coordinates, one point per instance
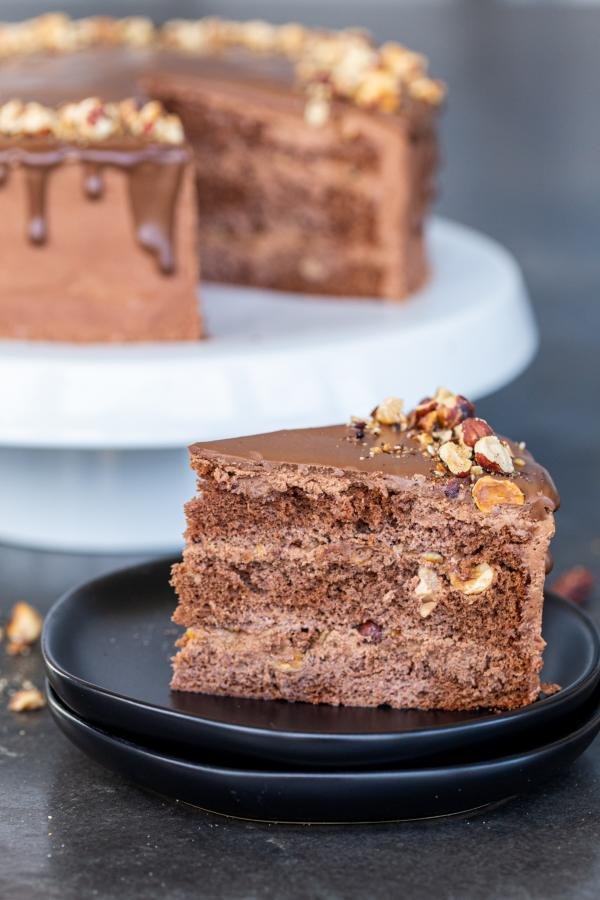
(398, 560)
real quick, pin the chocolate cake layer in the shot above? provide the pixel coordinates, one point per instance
(347, 587)
(315, 151)
(362, 534)
(343, 667)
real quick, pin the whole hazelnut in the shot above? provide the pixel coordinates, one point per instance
(492, 455)
(472, 429)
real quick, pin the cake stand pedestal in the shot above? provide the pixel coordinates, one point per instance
(93, 438)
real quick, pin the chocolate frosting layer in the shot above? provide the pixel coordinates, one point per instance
(118, 72)
(333, 447)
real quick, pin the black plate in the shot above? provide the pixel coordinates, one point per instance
(107, 646)
(333, 795)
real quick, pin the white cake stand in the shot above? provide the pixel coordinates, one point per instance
(92, 439)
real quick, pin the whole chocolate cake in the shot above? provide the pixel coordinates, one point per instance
(398, 560)
(315, 151)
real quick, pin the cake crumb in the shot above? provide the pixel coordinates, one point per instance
(23, 628)
(27, 699)
(548, 688)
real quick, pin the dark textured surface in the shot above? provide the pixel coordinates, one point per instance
(521, 139)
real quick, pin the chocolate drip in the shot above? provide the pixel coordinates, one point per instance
(3, 174)
(154, 173)
(93, 183)
(36, 178)
(153, 190)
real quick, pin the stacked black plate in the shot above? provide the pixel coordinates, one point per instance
(107, 647)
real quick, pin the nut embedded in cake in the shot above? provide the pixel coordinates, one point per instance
(383, 562)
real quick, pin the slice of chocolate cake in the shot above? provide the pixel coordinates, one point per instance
(97, 224)
(398, 560)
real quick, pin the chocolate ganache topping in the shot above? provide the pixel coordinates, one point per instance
(440, 440)
(325, 66)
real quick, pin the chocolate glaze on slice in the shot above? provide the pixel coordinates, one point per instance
(114, 73)
(333, 447)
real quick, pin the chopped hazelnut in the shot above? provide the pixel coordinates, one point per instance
(317, 111)
(10, 117)
(290, 664)
(427, 607)
(403, 62)
(90, 119)
(446, 410)
(37, 120)
(442, 435)
(479, 580)
(424, 439)
(471, 430)
(493, 455)
(428, 90)
(378, 89)
(423, 416)
(432, 557)
(152, 121)
(456, 457)
(452, 408)
(259, 36)
(137, 31)
(429, 582)
(291, 38)
(29, 119)
(490, 492)
(355, 64)
(23, 628)
(389, 412)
